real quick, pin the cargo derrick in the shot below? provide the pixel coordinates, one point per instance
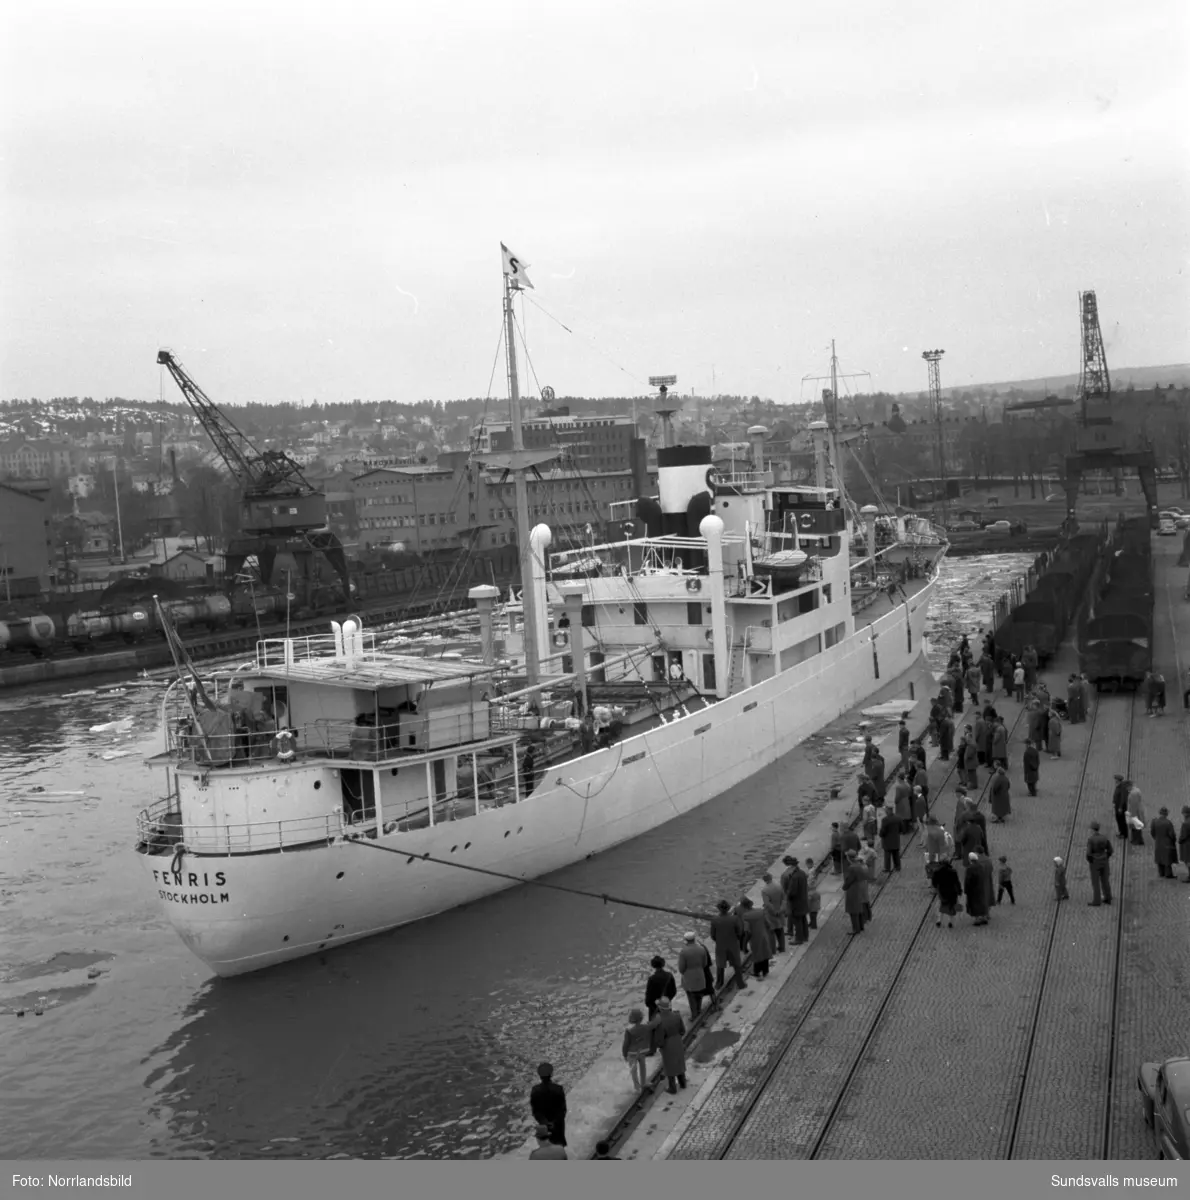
(280, 509)
(1100, 443)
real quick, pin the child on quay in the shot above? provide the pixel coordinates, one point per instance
(1060, 892)
(1004, 878)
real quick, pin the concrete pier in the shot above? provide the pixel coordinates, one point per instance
(1019, 1039)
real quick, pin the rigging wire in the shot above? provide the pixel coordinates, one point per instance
(556, 887)
(598, 350)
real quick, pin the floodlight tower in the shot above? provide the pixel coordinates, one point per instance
(666, 405)
(933, 359)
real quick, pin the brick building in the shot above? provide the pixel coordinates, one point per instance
(589, 444)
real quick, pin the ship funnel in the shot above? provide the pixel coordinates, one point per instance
(682, 474)
(535, 591)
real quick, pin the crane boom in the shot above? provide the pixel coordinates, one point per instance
(261, 472)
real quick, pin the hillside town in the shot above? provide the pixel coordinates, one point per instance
(94, 490)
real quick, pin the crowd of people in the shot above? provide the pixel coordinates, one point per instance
(958, 860)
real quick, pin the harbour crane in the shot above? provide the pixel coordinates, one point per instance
(280, 510)
(1100, 443)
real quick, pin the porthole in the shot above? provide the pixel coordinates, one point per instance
(453, 849)
(340, 875)
(285, 938)
(393, 771)
(467, 846)
(519, 828)
(317, 784)
(507, 832)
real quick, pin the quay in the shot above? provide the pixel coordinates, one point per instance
(1020, 1039)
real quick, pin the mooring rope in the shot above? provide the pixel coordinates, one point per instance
(557, 887)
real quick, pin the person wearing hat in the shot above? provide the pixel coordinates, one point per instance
(1060, 892)
(669, 1030)
(660, 983)
(1099, 852)
(694, 966)
(1165, 844)
(795, 887)
(1136, 814)
(1119, 803)
(727, 932)
(855, 888)
(545, 1148)
(1184, 840)
(946, 881)
(547, 1102)
(1031, 764)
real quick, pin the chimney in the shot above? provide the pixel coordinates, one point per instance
(756, 435)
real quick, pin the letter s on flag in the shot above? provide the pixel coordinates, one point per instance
(514, 268)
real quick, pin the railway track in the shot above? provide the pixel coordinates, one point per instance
(1029, 1128)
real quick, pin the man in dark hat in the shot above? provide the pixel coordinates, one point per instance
(1165, 844)
(1119, 802)
(547, 1102)
(727, 930)
(1099, 852)
(903, 740)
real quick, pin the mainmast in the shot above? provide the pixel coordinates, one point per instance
(524, 550)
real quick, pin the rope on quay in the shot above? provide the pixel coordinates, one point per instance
(557, 887)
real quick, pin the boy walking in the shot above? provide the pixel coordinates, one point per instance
(1060, 892)
(1004, 878)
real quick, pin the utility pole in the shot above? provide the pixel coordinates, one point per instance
(119, 523)
(933, 358)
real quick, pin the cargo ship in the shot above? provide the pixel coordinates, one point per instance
(334, 787)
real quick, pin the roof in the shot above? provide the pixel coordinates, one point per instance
(412, 469)
(22, 492)
(373, 671)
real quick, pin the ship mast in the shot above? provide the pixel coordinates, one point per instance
(521, 488)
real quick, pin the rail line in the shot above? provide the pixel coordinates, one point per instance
(789, 1039)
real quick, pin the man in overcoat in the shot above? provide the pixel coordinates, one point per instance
(547, 1102)
(727, 930)
(1119, 803)
(1031, 762)
(976, 890)
(1165, 844)
(890, 841)
(1099, 852)
(797, 901)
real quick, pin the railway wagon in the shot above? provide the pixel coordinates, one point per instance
(1116, 650)
(35, 634)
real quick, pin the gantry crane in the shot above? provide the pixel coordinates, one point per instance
(280, 508)
(1100, 443)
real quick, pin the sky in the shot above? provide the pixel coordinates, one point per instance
(306, 201)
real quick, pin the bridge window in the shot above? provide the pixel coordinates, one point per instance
(693, 612)
(640, 612)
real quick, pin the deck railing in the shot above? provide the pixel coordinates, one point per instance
(161, 830)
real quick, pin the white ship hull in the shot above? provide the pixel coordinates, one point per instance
(240, 913)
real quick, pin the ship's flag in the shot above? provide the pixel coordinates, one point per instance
(514, 268)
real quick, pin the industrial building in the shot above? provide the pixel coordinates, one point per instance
(26, 545)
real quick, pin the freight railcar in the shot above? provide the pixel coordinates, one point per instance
(1115, 642)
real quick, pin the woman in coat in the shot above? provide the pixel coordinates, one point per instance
(668, 1030)
(946, 880)
(1136, 817)
(1000, 795)
(660, 983)
(1031, 762)
(975, 888)
(1053, 734)
(1165, 844)
(1184, 840)
(921, 803)
(903, 807)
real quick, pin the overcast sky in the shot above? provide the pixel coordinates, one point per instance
(307, 200)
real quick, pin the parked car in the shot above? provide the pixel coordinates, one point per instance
(1166, 526)
(1165, 1102)
(962, 526)
(1001, 527)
